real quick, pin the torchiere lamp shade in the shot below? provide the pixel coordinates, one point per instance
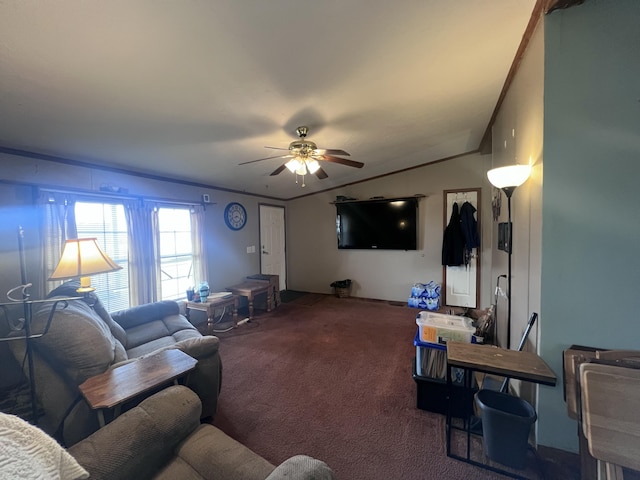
(82, 257)
(509, 176)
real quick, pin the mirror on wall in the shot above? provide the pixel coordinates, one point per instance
(461, 265)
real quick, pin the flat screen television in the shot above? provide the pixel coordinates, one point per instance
(383, 224)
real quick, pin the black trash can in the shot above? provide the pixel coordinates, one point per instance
(506, 422)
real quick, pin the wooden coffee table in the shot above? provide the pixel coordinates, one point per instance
(250, 289)
(210, 307)
(114, 387)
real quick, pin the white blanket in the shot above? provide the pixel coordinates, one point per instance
(26, 452)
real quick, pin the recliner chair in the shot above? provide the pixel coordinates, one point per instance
(85, 340)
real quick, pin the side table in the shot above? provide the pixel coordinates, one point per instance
(250, 289)
(274, 280)
(210, 307)
(114, 387)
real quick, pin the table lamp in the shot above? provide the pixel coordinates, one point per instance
(82, 257)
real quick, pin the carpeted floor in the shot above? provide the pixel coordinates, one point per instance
(333, 380)
(16, 400)
(290, 295)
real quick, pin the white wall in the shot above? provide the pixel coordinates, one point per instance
(591, 206)
(315, 261)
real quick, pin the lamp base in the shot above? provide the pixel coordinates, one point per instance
(85, 289)
(85, 285)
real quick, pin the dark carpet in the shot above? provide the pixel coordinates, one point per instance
(287, 296)
(16, 400)
(334, 382)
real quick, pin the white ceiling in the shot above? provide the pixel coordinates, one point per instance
(189, 89)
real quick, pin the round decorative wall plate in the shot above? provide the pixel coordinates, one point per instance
(235, 216)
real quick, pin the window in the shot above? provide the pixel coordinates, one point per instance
(176, 252)
(108, 224)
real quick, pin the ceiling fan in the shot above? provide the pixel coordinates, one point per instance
(304, 155)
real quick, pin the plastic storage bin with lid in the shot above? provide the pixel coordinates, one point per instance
(442, 328)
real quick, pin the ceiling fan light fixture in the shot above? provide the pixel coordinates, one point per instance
(293, 165)
(302, 170)
(312, 165)
(305, 157)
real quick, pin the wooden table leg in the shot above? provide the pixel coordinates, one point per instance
(269, 298)
(250, 298)
(278, 300)
(235, 312)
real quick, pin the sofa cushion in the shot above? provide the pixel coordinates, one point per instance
(78, 341)
(174, 328)
(134, 316)
(214, 454)
(69, 289)
(116, 330)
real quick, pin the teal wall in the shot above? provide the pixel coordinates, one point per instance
(591, 197)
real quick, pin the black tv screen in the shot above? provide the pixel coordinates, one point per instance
(385, 224)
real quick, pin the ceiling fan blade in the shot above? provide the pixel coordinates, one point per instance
(278, 170)
(266, 158)
(341, 161)
(321, 174)
(277, 148)
(322, 151)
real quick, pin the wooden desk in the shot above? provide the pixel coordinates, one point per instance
(526, 366)
(114, 387)
(210, 307)
(250, 289)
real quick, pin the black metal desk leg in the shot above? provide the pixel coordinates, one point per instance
(449, 407)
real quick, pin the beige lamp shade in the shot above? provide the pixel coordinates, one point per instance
(82, 257)
(509, 176)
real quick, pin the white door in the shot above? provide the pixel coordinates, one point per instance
(461, 282)
(272, 257)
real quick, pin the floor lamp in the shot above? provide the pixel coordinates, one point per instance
(507, 179)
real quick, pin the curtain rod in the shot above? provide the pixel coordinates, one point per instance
(120, 196)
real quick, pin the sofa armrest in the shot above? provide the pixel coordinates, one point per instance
(199, 347)
(121, 450)
(302, 467)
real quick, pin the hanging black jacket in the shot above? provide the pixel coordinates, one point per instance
(469, 226)
(453, 243)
